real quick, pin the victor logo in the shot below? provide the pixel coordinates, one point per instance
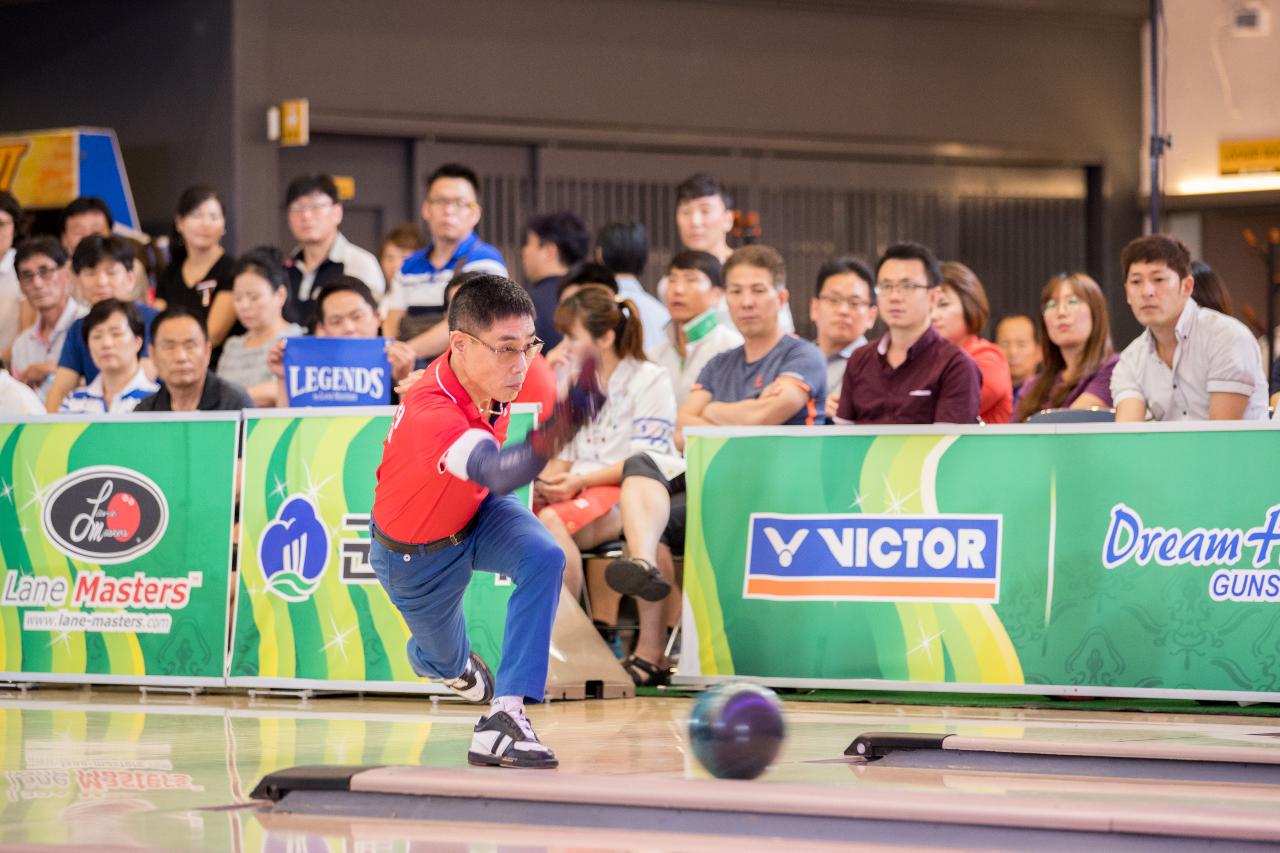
(104, 514)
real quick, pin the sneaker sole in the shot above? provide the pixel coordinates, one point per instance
(628, 579)
(479, 759)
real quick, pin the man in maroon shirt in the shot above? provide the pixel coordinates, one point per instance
(442, 509)
(911, 375)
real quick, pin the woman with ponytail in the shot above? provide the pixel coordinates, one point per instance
(259, 291)
(576, 496)
(198, 276)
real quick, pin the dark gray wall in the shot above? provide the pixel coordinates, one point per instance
(1064, 84)
(186, 84)
(156, 72)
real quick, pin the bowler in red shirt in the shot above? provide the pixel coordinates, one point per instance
(442, 509)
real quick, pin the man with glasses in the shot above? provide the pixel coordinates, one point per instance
(843, 311)
(45, 282)
(442, 509)
(181, 351)
(911, 375)
(323, 252)
(104, 269)
(415, 306)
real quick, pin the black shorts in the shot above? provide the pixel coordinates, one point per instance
(642, 465)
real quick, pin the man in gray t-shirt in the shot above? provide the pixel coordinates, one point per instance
(729, 378)
(772, 378)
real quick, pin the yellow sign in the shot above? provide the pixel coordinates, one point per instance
(40, 169)
(1238, 156)
(346, 185)
(295, 122)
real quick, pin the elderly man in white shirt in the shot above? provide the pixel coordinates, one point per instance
(1191, 363)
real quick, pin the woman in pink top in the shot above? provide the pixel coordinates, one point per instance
(1075, 345)
(961, 313)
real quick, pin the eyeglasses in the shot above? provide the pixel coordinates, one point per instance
(852, 303)
(29, 276)
(298, 208)
(1071, 303)
(508, 354)
(888, 288)
(452, 203)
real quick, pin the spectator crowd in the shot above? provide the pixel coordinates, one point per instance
(87, 327)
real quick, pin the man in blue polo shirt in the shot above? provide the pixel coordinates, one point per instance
(104, 270)
(415, 306)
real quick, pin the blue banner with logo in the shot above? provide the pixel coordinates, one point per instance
(337, 372)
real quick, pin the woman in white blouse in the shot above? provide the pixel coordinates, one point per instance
(576, 496)
(259, 291)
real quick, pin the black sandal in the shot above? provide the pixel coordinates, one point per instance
(646, 674)
(637, 577)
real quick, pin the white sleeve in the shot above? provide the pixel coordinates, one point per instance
(485, 265)
(455, 459)
(1126, 382)
(1234, 365)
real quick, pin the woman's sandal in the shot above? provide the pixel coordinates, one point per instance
(637, 577)
(646, 674)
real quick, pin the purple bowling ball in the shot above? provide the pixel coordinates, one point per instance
(736, 730)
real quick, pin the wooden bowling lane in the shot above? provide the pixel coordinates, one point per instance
(81, 769)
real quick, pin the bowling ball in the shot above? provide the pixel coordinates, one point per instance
(736, 730)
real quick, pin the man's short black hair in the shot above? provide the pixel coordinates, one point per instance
(102, 311)
(176, 312)
(305, 185)
(588, 272)
(704, 262)
(848, 263)
(455, 170)
(459, 279)
(42, 245)
(624, 246)
(702, 185)
(87, 204)
(345, 284)
(566, 230)
(486, 299)
(912, 251)
(95, 249)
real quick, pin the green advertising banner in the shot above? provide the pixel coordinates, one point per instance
(116, 537)
(1124, 561)
(309, 611)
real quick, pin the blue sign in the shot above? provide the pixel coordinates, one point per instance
(874, 557)
(337, 372)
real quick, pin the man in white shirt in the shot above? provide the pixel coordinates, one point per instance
(323, 253)
(45, 279)
(1191, 363)
(694, 334)
(624, 248)
(704, 218)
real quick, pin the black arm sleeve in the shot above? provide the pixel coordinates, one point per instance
(503, 470)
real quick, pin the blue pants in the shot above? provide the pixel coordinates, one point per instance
(427, 589)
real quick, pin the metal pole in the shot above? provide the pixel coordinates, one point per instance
(1157, 144)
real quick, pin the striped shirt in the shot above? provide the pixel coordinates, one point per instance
(91, 400)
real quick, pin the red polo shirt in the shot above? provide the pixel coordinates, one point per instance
(416, 499)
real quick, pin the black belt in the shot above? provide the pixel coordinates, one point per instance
(425, 547)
